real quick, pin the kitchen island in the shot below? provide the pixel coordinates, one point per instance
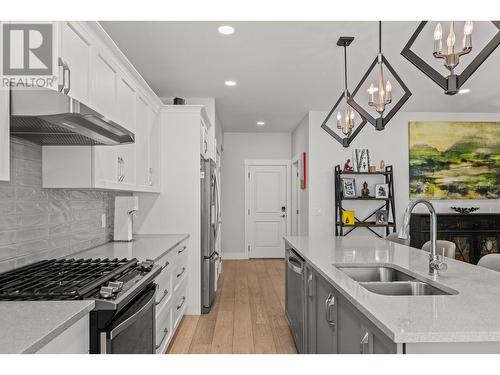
(463, 320)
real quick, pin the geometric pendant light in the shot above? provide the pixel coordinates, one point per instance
(345, 117)
(452, 83)
(380, 93)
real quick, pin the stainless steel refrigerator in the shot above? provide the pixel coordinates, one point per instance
(210, 214)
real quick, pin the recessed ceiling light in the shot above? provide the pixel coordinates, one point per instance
(230, 83)
(226, 30)
(261, 123)
(463, 91)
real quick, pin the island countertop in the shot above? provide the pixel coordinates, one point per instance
(469, 316)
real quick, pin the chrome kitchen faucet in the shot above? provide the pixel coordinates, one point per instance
(436, 262)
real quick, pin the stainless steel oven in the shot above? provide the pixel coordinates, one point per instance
(131, 330)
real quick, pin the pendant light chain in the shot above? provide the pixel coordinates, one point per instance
(345, 68)
(379, 37)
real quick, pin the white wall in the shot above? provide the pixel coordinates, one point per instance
(239, 147)
(300, 144)
(391, 145)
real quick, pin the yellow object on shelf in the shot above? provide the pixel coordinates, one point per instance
(348, 217)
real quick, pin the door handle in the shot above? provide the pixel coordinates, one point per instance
(329, 303)
(165, 333)
(365, 343)
(283, 215)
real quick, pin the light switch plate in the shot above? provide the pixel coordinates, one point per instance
(103, 221)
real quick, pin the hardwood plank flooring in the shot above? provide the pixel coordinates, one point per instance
(248, 315)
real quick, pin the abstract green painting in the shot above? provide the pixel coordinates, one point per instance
(454, 160)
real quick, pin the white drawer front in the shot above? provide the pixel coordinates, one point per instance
(164, 327)
(164, 287)
(179, 304)
(179, 275)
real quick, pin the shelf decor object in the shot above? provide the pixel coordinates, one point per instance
(452, 83)
(464, 210)
(381, 96)
(345, 117)
(372, 220)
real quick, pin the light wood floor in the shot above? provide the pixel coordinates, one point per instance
(248, 315)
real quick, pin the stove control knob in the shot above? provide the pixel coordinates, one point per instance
(106, 292)
(146, 265)
(117, 286)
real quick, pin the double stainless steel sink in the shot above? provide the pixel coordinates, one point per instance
(389, 281)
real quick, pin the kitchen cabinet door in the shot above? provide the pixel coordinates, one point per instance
(358, 335)
(127, 100)
(76, 52)
(104, 83)
(155, 153)
(4, 136)
(143, 126)
(321, 315)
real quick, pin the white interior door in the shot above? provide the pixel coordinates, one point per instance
(267, 210)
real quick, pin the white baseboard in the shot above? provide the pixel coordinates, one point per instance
(233, 256)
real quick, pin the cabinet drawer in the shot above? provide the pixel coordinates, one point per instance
(179, 275)
(179, 304)
(163, 327)
(181, 251)
(164, 286)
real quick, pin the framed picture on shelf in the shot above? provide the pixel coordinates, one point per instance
(464, 248)
(381, 217)
(348, 217)
(361, 158)
(349, 187)
(381, 191)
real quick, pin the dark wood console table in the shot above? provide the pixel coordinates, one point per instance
(475, 234)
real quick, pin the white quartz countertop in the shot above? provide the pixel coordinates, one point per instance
(143, 247)
(472, 315)
(27, 326)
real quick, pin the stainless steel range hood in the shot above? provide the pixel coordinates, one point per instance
(50, 117)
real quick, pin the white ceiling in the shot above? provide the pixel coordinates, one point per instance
(285, 69)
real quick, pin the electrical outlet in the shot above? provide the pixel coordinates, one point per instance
(103, 221)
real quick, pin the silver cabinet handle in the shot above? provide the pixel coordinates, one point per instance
(165, 294)
(182, 303)
(310, 285)
(364, 344)
(62, 86)
(150, 182)
(165, 333)
(329, 303)
(180, 274)
(165, 265)
(181, 250)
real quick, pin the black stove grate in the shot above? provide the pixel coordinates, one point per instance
(64, 279)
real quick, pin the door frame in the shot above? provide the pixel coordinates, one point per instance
(265, 162)
(295, 190)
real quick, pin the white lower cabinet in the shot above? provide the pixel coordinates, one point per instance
(171, 295)
(73, 340)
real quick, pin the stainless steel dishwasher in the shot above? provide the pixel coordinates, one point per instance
(295, 297)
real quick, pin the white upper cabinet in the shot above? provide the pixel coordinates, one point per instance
(4, 136)
(101, 77)
(104, 85)
(144, 117)
(76, 53)
(154, 152)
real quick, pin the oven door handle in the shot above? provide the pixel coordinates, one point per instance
(127, 323)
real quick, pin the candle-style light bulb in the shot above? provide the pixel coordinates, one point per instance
(339, 119)
(438, 32)
(468, 27)
(438, 35)
(371, 91)
(467, 40)
(450, 41)
(388, 90)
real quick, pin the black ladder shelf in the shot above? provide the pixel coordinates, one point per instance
(366, 222)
